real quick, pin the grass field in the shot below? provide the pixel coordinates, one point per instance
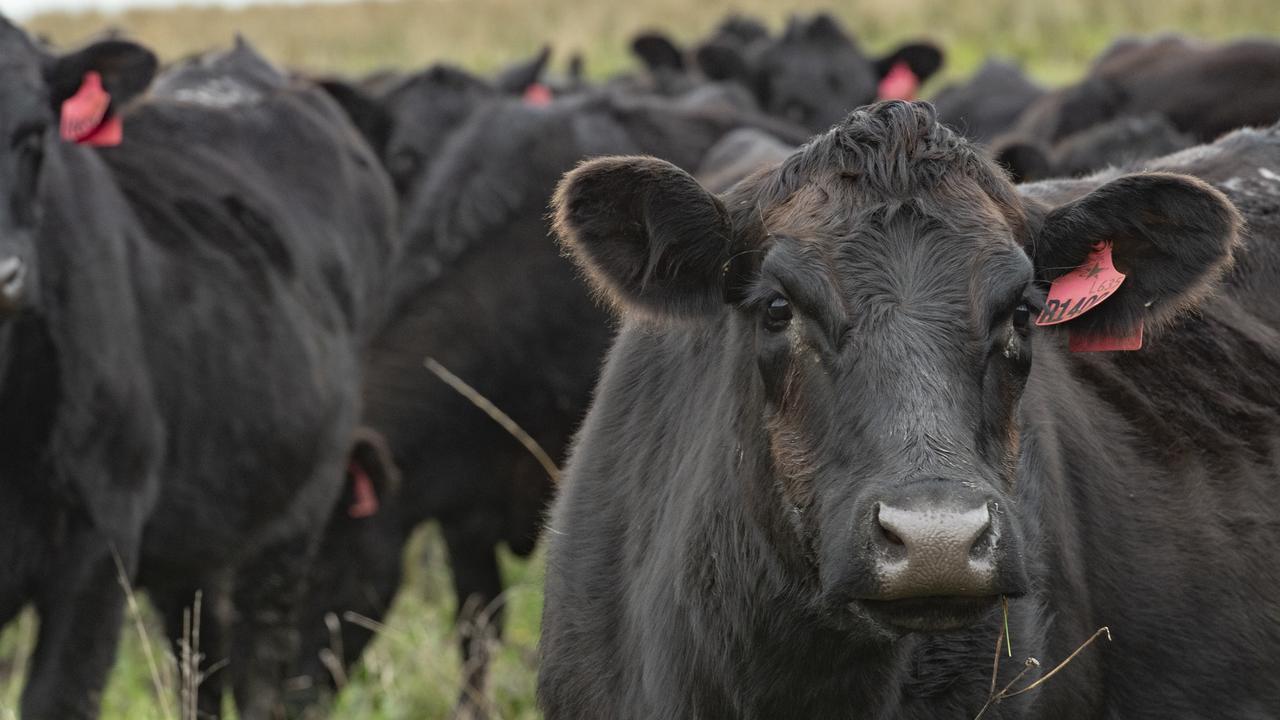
(412, 671)
(1054, 38)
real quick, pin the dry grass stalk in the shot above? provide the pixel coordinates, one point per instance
(503, 419)
(135, 613)
(1030, 663)
(477, 629)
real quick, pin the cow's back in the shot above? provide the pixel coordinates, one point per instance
(269, 229)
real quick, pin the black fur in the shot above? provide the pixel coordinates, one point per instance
(1203, 89)
(1122, 141)
(989, 103)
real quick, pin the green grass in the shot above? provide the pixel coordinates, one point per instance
(412, 670)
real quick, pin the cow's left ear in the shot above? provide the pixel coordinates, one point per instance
(924, 59)
(126, 69)
(1172, 236)
(657, 51)
(649, 237)
(516, 78)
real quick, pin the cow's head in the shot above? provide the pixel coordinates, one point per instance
(34, 85)
(409, 123)
(815, 73)
(356, 572)
(876, 297)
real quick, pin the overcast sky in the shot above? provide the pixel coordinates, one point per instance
(24, 8)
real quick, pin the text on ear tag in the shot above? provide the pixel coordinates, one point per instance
(900, 83)
(1082, 289)
(84, 115)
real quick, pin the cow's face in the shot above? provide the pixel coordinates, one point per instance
(815, 73)
(424, 110)
(27, 123)
(33, 88)
(878, 299)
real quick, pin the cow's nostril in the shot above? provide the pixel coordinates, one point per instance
(891, 536)
(12, 275)
(886, 532)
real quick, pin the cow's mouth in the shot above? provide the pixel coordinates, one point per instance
(930, 614)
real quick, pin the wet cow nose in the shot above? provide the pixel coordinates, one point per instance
(927, 551)
(12, 280)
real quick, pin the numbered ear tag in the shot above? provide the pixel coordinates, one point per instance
(1080, 290)
(900, 83)
(84, 115)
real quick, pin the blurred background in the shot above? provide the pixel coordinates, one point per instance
(413, 670)
(1052, 38)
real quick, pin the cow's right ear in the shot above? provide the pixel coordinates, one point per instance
(1171, 236)
(648, 235)
(126, 70)
(516, 78)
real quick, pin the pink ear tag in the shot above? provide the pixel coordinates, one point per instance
(1083, 289)
(84, 115)
(364, 498)
(537, 95)
(1080, 290)
(900, 83)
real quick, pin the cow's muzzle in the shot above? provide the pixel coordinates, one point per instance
(942, 555)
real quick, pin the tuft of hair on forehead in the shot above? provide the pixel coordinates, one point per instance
(892, 150)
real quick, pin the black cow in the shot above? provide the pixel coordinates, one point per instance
(989, 103)
(407, 119)
(1203, 89)
(672, 70)
(180, 335)
(1117, 142)
(831, 435)
(484, 291)
(815, 72)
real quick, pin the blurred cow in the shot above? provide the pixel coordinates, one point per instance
(1203, 89)
(812, 74)
(989, 103)
(184, 298)
(483, 290)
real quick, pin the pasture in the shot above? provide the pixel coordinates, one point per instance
(413, 669)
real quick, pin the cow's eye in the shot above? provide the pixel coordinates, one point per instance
(1022, 318)
(777, 315)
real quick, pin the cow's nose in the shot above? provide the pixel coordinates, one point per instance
(931, 550)
(13, 276)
